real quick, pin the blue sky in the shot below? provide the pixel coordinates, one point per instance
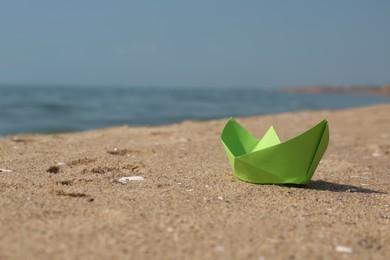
(194, 43)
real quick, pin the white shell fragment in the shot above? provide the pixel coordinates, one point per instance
(125, 180)
(344, 249)
(5, 170)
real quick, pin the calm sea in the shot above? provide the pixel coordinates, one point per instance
(62, 109)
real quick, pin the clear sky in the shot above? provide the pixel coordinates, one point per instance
(195, 43)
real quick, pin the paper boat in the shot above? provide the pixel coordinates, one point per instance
(269, 161)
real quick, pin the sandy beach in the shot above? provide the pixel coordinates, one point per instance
(61, 197)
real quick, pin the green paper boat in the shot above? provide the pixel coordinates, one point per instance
(270, 161)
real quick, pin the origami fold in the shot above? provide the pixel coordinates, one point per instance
(269, 161)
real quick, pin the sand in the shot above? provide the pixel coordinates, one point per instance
(60, 197)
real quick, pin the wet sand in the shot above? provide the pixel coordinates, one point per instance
(60, 197)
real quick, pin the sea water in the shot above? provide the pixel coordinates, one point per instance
(62, 109)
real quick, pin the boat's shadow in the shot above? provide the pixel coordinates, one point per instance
(336, 187)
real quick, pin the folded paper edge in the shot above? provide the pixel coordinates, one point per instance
(233, 121)
(317, 156)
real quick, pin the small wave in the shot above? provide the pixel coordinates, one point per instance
(54, 107)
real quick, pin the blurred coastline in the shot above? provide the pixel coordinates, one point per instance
(383, 90)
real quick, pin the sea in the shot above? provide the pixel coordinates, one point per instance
(55, 109)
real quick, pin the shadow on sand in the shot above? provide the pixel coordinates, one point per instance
(335, 187)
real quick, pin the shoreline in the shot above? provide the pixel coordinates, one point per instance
(61, 194)
(77, 110)
(383, 90)
(157, 125)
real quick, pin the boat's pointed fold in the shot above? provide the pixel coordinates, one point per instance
(270, 138)
(270, 160)
(238, 140)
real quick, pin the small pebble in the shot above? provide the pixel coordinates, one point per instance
(61, 164)
(170, 229)
(124, 180)
(5, 170)
(376, 154)
(344, 249)
(220, 197)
